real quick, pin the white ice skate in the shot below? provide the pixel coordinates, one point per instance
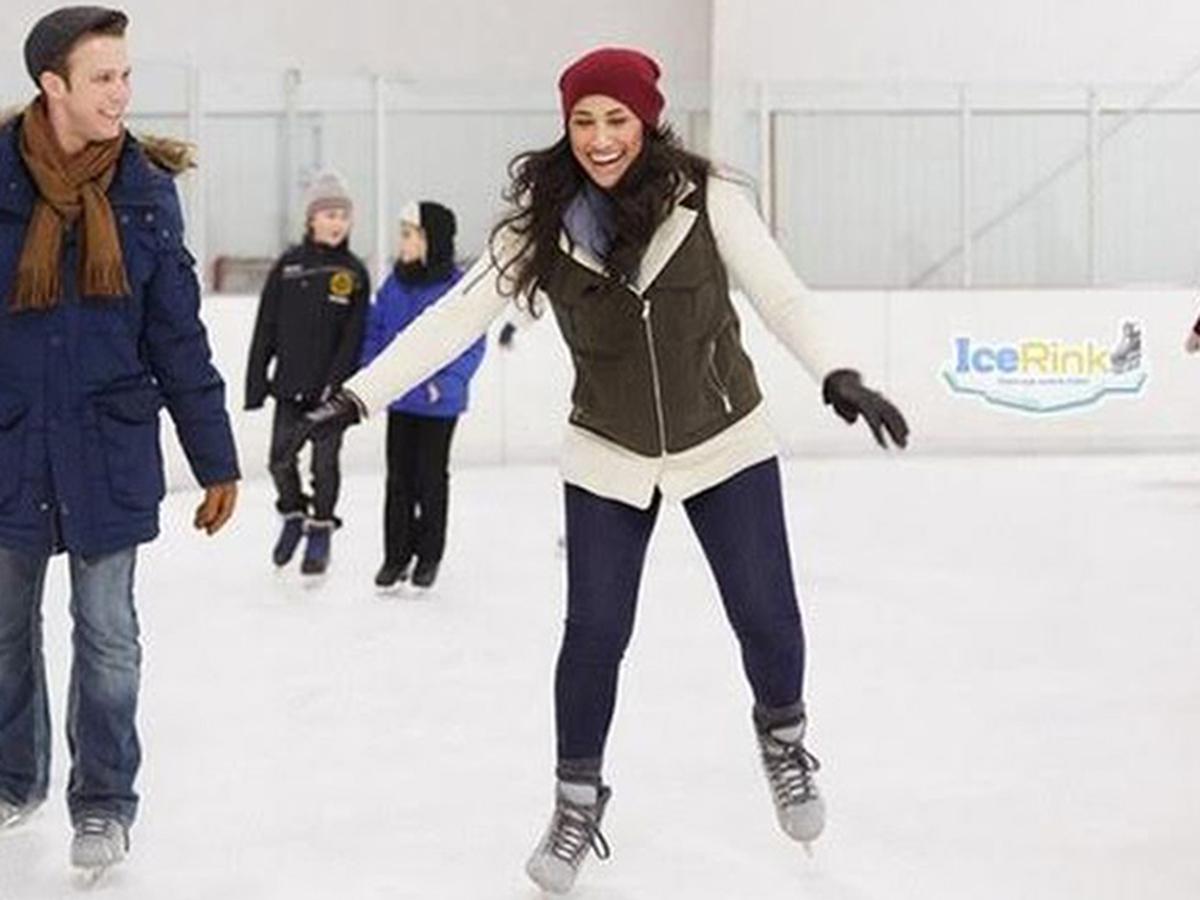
(790, 769)
(574, 829)
(13, 814)
(99, 844)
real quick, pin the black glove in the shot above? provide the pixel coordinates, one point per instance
(255, 399)
(506, 335)
(845, 392)
(313, 400)
(330, 418)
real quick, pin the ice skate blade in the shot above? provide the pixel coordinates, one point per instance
(90, 876)
(311, 581)
(551, 878)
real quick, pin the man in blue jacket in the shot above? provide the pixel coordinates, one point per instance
(421, 423)
(99, 329)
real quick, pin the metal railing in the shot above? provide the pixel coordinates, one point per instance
(866, 186)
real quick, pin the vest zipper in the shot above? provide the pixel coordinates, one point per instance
(654, 377)
(712, 367)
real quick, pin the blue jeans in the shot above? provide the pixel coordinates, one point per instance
(741, 528)
(102, 703)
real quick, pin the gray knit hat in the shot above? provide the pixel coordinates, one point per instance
(56, 33)
(327, 191)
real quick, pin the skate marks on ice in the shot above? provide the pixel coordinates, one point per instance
(23, 850)
(34, 865)
(963, 687)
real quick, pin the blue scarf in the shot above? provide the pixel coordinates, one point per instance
(589, 221)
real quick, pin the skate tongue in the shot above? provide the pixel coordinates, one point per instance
(576, 792)
(789, 734)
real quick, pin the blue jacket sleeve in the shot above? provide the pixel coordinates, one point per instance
(375, 336)
(464, 368)
(178, 352)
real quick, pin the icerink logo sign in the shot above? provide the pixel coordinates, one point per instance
(1044, 376)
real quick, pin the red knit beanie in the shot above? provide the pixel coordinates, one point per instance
(626, 75)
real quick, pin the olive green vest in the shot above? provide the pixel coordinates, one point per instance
(659, 366)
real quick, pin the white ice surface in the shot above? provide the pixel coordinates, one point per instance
(1003, 683)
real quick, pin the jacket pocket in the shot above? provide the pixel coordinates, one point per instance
(128, 423)
(718, 383)
(142, 244)
(13, 427)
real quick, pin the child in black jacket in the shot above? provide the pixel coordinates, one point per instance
(310, 322)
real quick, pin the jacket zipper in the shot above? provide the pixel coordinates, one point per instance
(712, 367)
(654, 376)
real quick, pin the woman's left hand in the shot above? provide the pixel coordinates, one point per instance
(844, 391)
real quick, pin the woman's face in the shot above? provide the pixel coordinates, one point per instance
(413, 246)
(606, 138)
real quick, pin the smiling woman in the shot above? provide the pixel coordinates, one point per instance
(633, 240)
(606, 137)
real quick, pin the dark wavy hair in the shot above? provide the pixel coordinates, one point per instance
(544, 182)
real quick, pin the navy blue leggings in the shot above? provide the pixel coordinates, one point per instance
(741, 529)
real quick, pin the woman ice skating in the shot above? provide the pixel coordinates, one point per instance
(310, 325)
(421, 423)
(633, 241)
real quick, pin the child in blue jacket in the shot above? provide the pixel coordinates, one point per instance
(421, 423)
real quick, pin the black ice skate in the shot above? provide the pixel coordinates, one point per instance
(390, 573)
(289, 538)
(425, 574)
(316, 551)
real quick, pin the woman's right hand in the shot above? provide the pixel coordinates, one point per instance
(1192, 345)
(327, 420)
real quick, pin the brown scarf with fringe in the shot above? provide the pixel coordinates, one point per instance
(70, 189)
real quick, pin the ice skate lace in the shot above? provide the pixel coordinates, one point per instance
(109, 830)
(575, 829)
(93, 826)
(790, 769)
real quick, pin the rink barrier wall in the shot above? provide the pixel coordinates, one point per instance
(903, 341)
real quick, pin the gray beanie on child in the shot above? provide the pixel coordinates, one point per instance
(327, 191)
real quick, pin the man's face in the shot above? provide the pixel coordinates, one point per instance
(92, 103)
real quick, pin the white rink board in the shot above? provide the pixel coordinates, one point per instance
(899, 340)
